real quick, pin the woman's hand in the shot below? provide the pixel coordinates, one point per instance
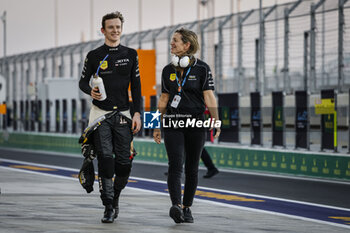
(162, 103)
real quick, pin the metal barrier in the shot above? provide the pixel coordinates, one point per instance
(299, 46)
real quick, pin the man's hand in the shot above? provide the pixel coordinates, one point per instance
(95, 94)
(136, 123)
(157, 136)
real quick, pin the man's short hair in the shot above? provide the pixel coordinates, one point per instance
(113, 15)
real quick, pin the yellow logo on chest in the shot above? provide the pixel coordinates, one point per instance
(104, 65)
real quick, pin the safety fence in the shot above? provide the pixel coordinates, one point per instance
(300, 121)
(302, 45)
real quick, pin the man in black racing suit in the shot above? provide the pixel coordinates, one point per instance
(118, 67)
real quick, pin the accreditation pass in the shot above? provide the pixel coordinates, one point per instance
(175, 101)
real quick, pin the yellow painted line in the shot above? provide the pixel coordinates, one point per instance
(347, 219)
(224, 197)
(35, 168)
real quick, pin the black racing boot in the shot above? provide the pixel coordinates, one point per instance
(187, 215)
(116, 206)
(108, 216)
(119, 184)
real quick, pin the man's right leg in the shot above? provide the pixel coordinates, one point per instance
(120, 181)
(122, 138)
(105, 157)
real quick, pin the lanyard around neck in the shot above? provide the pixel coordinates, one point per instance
(183, 81)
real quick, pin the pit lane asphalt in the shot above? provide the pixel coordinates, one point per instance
(319, 191)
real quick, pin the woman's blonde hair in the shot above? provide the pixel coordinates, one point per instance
(189, 36)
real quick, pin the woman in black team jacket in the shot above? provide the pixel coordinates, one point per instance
(187, 87)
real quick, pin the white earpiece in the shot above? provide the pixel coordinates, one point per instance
(183, 62)
(175, 60)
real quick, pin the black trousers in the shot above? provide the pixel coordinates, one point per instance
(177, 142)
(207, 160)
(112, 143)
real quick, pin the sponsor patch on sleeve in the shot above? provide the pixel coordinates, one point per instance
(172, 77)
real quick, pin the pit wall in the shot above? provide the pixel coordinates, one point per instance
(294, 163)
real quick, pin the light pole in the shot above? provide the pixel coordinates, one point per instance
(208, 5)
(171, 12)
(91, 20)
(56, 22)
(261, 51)
(140, 16)
(3, 19)
(140, 23)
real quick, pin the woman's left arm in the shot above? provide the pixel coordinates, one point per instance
(210, 102)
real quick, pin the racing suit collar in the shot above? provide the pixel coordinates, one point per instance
(111, 49)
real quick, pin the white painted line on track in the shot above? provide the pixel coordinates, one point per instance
(196, 199)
